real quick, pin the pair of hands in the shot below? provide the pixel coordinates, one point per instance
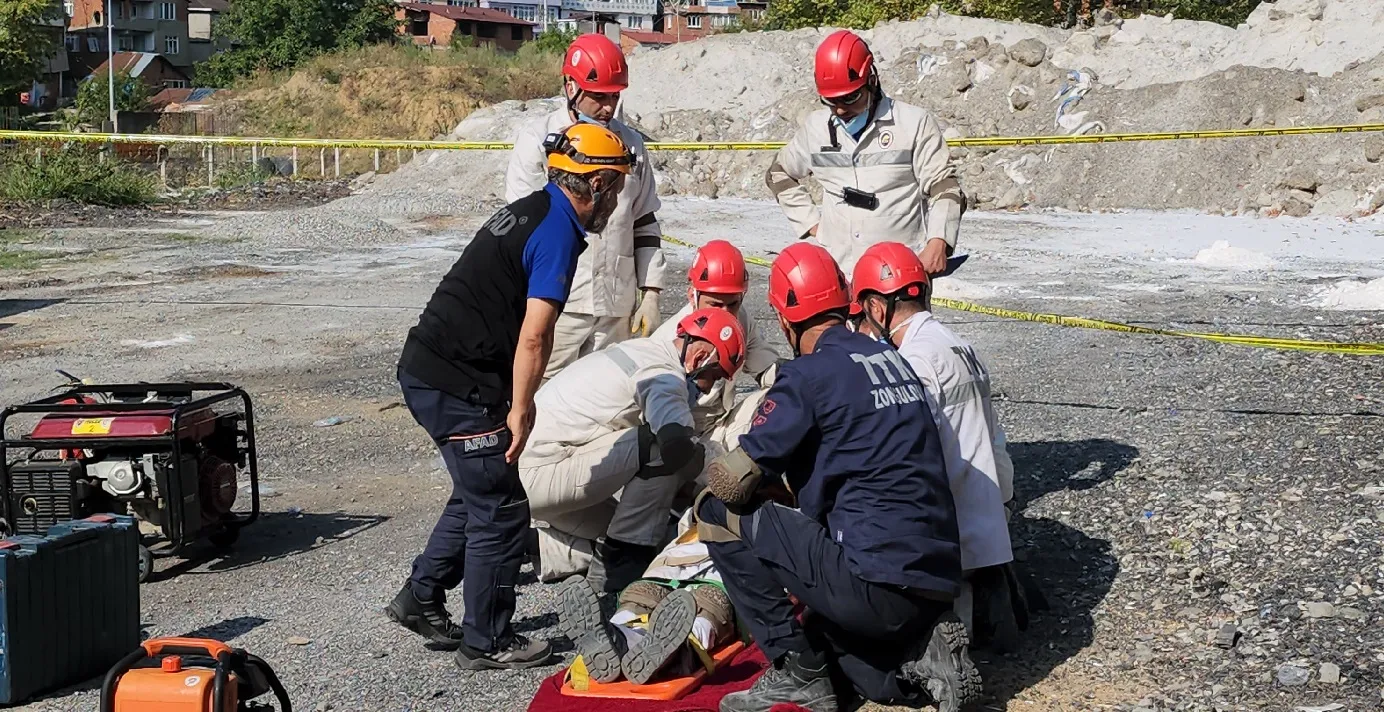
(933, 256)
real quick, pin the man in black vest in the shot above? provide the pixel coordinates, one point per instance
(469, 371)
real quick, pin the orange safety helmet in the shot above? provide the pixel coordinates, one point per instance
(587, 148)
(719, 269)
(805, 281)
(595, 63)
(722, 331)
(844, 64)
(889, 268)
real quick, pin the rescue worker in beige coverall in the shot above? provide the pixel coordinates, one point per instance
(884, 167)
(619, 275)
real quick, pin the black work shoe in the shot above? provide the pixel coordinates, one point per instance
(601, 649)
(579, 609)
(788, 684)
(997, 615)
(669, 626)
(520, 654)
(944, 669)
(429, 619)
(615, 564)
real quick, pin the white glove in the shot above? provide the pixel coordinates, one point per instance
(646, 317)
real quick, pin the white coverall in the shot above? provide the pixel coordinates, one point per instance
(957, 385)
(901, 157)
(584, 450)
(716, 414)
(625, 257)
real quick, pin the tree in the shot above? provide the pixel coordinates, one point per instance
(555, 40)
(93, 96)
(280, 34)
(27, 40)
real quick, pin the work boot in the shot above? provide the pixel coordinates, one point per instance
(602, 648)
(579, 609)
(789, 684)
(943, 669)
(429, 619)
(615, 564)
(519, 654)
(998, 615)
(669, 626)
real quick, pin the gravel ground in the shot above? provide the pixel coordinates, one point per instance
(1171, 489)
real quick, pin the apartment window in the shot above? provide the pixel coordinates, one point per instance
(168, 11)
(175, 84)
(142, 10)
(523, 12)
(125, 43)
(694, 22)
(419, 27)
(96, 19)
(516, 33)
(464, 27)
(486, 30)
(93, 44)
(69, 7)
(73, 43)
(635, 22)
(118, 10)
(170, 45)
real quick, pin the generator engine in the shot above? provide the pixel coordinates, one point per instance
(152, 450)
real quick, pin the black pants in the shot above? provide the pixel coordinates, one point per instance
(480, 535)
(863, 628)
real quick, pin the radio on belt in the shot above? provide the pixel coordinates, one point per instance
(859, 199)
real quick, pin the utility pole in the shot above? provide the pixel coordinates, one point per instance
(110, 61)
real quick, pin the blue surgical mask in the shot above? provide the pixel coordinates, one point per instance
(856, 125)
(693, 392)
(588, 120)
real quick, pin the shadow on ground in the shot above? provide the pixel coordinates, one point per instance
(277, 535)
(1073, 571)
(11, 307)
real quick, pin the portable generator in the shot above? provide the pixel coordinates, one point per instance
(190, 675)
(171, 454)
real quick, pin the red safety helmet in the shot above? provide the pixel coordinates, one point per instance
(844, 64)
(805, 281)
(596, 64)
(722, 331)
(719, 269)
(889, 268)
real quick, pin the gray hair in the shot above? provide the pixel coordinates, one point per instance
(579, 184)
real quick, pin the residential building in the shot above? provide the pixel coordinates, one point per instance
(142, 26)
(437, 25)
(710, 17)
(629, 39)
(46, 90)
(540, 12)
(201, 20)
(154, 69)
(640, 15)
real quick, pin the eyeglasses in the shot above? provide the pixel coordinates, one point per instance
(844, 101)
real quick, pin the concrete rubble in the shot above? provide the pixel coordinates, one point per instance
(1294, 63)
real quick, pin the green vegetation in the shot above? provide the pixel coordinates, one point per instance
(19, 259)
(26, 43)
(74, 173)
(863, 14)
(387, 90)
(240, 173)
(93, 96)
(274, 35)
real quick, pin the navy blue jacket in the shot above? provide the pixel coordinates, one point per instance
(848, 429)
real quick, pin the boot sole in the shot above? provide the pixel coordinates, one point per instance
(669, 626)
(415, 624)
(597, 650)
(579, 609)
(825, 703)
(946, 670)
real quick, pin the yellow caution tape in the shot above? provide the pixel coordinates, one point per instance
(1334, 347)
(418, 145)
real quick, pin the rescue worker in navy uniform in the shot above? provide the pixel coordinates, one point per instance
(469, 371)
(872, 551)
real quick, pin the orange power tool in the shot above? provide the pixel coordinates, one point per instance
(190, 675)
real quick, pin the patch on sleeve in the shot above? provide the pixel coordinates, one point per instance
(762, 415)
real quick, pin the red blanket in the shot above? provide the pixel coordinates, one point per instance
(738, 675)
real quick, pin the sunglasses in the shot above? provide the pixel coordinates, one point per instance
(844, 101)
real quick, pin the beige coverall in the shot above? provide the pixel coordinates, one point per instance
(901, 158)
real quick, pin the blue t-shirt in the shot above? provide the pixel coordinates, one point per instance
(550, 254)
